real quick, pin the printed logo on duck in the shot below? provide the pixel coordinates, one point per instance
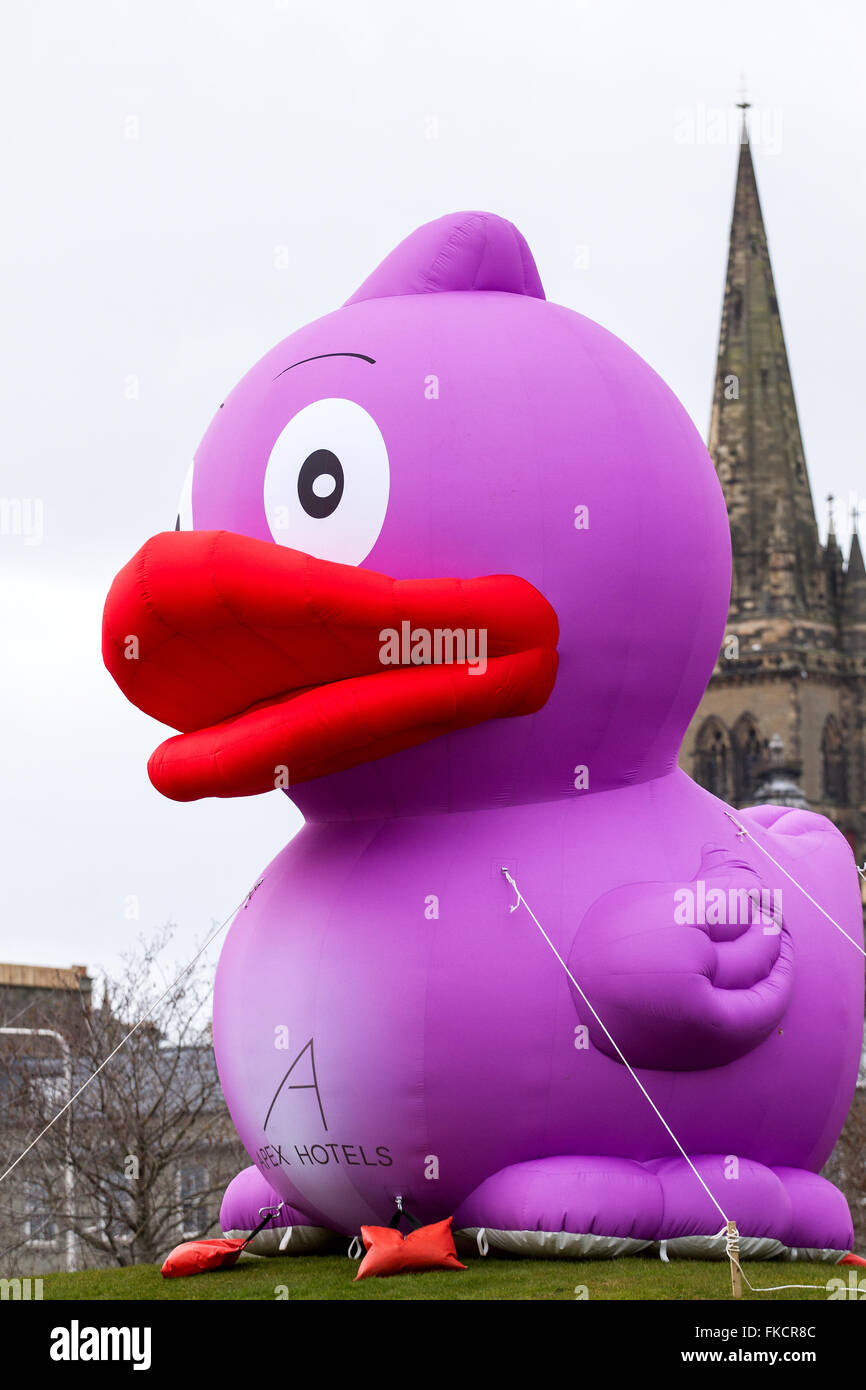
(319, 1153)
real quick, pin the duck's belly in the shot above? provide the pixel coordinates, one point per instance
(385, 1026)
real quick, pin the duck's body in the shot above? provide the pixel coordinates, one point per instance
(446, 1041)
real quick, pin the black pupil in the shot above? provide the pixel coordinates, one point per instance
(321, 464)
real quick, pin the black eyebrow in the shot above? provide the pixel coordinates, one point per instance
(363, 357)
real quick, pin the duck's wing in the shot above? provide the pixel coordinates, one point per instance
(685, 976)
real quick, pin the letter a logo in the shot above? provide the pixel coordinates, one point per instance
(300, 1085)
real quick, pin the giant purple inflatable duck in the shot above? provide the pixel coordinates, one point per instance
(453, 572)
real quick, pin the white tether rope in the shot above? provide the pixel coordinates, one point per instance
(742, 830)
(732, 1241)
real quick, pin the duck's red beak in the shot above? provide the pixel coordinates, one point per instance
(278, 667)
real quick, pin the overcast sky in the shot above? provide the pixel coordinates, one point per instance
(190, 182)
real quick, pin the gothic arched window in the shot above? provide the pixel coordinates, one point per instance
(835, 773)
(748, 754)
(713, 757)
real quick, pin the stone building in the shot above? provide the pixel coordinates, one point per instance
(49, 997)
(152, 1136)
(784, 716)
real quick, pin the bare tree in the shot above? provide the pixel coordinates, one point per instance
(150, 1145)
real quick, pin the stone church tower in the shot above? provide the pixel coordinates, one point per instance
(784, 716)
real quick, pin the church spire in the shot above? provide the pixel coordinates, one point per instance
(833, 562)
(854, 596)
(754, 431)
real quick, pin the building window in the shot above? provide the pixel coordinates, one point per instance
(40, 1223)
(835, 776)
(712, 758)
(748, 752)
(193, 1208)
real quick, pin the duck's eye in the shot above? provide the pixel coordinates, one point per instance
(184, 507)
(320, 483)
(327, 482)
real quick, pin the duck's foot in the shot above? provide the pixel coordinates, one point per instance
(566, 1207)
(289, 1232)
(597, 1207)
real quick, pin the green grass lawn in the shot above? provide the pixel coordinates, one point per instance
(331, 1277)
